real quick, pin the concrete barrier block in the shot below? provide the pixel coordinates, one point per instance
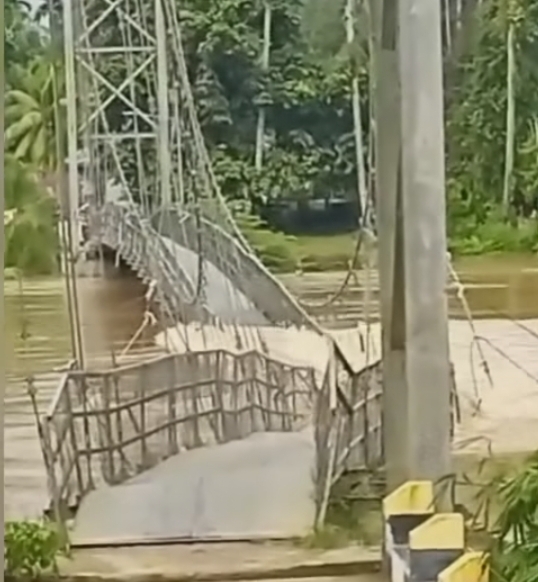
(421, 545)
(404, 509)
(470, 567)
(434, 545)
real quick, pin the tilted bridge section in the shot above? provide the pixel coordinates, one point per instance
(242, 428)
(216, 443)
(165, 249)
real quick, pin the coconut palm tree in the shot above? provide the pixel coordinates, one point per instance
(30, 232)
(30, 133)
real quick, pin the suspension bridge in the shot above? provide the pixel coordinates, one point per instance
(243, 428)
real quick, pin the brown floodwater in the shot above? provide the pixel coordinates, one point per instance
(501, 285)
(37, 332)
(37, 341)
(37, 336)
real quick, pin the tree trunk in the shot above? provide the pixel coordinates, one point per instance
(510, 119)
(260, 129)
(357, 120)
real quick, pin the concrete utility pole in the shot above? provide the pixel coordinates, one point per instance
(412, 238)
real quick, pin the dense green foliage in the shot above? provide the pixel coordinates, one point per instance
(30, 549)
(30, 140)
(515, 551)
(30, 236)
(476, 132)
(309, 149)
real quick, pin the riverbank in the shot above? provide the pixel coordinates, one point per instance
(284, 254)
(287, 254)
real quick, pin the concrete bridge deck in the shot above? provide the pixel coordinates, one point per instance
(257, 487)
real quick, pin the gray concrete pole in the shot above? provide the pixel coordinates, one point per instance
(388, 142)
(412, 239)
(424, 226)
(163, 134)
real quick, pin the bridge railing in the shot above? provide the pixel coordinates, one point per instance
(66, 481)
(120, 227)
(348, 426)
(107, 426)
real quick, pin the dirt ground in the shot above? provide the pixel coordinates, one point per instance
(247, 561)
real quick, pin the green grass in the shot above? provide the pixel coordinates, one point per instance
(284, 254)
(476, 478)
(323, 253)
(497, 236)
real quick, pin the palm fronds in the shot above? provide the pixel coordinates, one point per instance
(29, 221)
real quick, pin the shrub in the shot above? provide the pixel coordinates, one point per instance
(515, 551)
(497, 235)
(30, 548)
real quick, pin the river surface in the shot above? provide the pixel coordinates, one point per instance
(37, 338)
(37, 342)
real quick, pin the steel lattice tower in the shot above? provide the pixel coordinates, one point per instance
(117, 93)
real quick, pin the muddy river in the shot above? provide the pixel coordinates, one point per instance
(37, 337)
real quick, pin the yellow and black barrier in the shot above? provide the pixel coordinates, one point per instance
(422, 545)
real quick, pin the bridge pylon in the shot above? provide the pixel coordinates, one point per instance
(119, 96)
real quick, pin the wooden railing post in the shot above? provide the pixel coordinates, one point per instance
(119, 426)
(81, 387)
(142, 394)
(108, 428)
(73, 435)
(218, 400)
(172, 407)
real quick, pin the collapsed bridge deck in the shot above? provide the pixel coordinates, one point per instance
(205, 445)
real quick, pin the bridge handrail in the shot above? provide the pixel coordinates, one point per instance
(96, 373)
(107, 426)
(62, 386)
(58, 444)
(172, 284)
(267, 293)
(347, 425)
